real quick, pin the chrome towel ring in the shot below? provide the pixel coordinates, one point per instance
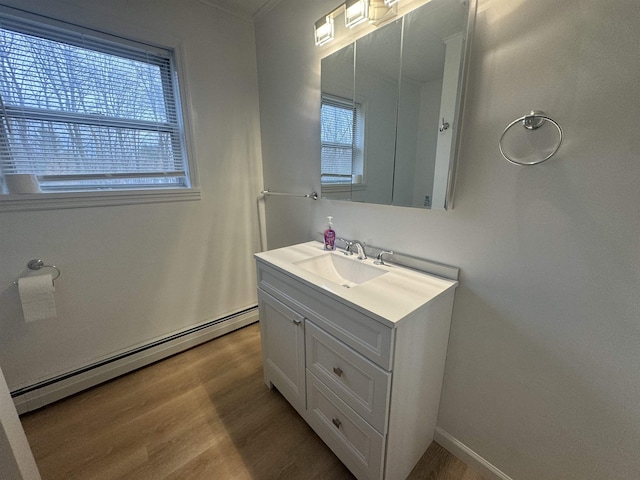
(532, 121)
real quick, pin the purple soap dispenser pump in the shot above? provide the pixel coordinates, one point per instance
(330, 236)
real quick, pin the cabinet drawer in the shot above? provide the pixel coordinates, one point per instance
(362, 333)
(353, 440)
(357, 381)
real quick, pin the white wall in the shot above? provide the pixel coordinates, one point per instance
(543, 369)
(131, 274)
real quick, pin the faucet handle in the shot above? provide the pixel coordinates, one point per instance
(379, 260)
(349, 246)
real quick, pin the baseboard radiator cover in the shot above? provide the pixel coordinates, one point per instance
(38, 395)
(468, 456)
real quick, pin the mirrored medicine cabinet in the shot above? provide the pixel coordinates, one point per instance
(390, 109)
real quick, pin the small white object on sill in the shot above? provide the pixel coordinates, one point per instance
(22, 183)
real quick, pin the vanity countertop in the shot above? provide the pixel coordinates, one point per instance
(390, 297)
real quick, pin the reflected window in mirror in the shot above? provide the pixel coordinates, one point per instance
(342, 141)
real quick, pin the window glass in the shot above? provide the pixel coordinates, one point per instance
(87, 113)
(340, 138)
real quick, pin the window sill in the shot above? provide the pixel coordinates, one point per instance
(328, 188)
(55, 201)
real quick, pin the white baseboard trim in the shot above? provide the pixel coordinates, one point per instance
(468, 456)
(38, 396)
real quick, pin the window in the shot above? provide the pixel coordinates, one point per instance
(88, 112)
(341, 139)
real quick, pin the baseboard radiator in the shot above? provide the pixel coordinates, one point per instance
(56, 388)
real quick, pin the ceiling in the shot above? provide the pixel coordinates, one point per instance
(247, 9)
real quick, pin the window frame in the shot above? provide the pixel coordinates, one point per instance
(128, 195)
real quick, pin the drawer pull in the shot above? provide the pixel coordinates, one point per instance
(336, 422)
(337, 371)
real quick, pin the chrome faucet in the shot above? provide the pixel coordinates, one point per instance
(362, 254)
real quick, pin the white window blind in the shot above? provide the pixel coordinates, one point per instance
(339, 139)
(85, 112)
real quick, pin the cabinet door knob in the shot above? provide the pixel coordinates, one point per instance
(297, 322)
(336, 422)
(337, 371)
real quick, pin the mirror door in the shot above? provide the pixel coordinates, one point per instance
(377, 68)
(432, 54)
(338, 122)
(391, 104)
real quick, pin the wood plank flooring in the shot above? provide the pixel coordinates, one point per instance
(203, 414)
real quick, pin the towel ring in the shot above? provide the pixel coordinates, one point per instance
(532, 121)
(37, 264)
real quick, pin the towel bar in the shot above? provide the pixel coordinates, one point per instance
(312, 195)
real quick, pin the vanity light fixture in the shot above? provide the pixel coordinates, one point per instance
(375, 11)
(323, 30)
(381, 11)
(356, 12)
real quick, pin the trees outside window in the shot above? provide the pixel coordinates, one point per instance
(88, 113)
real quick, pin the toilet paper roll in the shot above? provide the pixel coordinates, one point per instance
(36, 296)
(22, 183)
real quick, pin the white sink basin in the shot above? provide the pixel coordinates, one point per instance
(388, 293)
(337, 268)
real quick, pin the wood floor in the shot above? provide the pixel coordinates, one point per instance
(202, 414)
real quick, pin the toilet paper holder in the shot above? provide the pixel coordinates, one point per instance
(37, 264)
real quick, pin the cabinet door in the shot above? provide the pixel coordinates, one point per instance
(282, 332)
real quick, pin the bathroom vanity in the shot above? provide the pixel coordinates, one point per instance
(358, 350)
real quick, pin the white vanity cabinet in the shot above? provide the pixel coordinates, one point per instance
(369, 386)
(282, 336)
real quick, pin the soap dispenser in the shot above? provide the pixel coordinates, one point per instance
(330, 236)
